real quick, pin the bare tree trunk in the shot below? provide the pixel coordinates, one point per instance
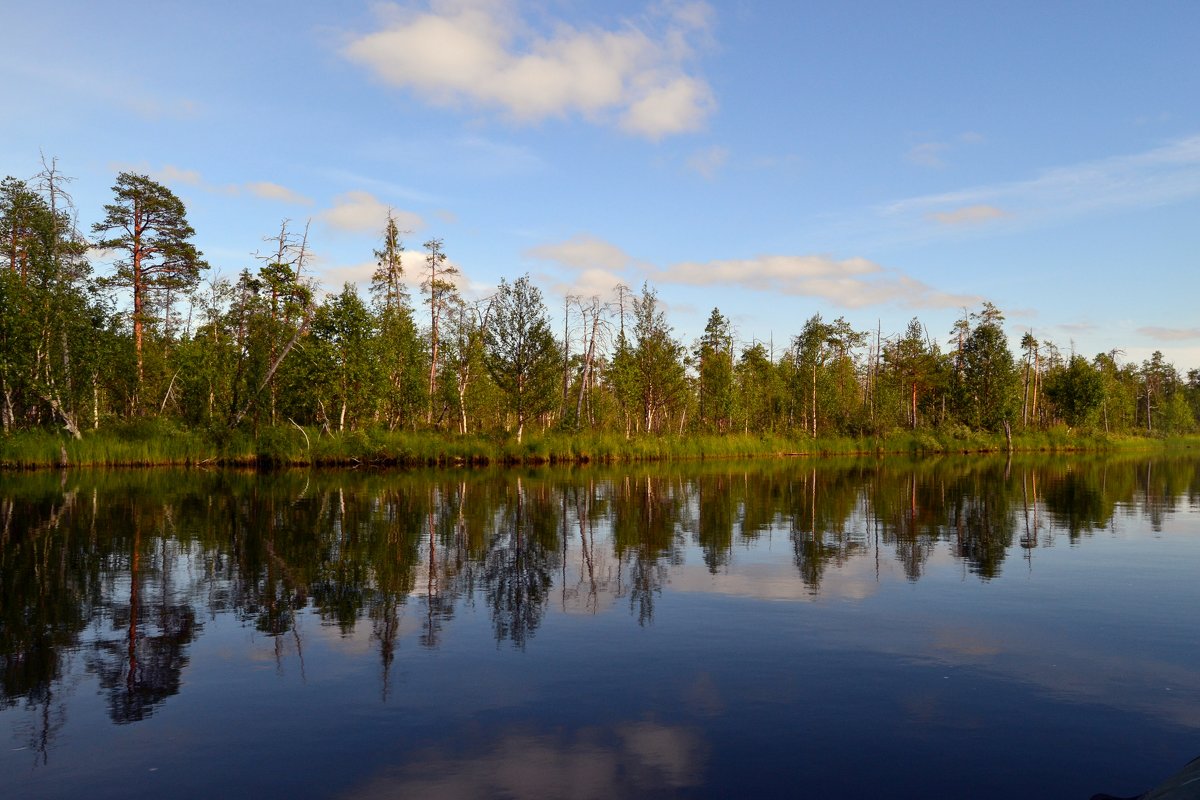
(1025, 398)
(585, 378)
(1036, 380)
(305, 320)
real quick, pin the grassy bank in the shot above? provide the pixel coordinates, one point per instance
(152, 443)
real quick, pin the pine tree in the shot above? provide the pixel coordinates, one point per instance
(148, 223)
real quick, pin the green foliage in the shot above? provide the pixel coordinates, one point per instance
(987, 379)
(657, 362)
(714, 365)
(521, 354)
(1077, 391)
(260, 373)
(148, 224)
(346, 375)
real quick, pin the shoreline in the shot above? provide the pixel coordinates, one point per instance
(158, 447)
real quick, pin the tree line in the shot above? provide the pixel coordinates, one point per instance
(159, 336)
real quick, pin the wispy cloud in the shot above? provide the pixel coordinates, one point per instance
(273, 191)
(927, 154)
(933, 153)
(708, 161)
(169, 173)
(90, 84)
(1170, 334)
(173, 175)
(480, 53)
(1165, 174)
(387, 187)
(969, 215)
(849, 282)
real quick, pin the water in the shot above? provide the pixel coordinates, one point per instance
(945, 628)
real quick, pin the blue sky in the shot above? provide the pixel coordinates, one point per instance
(871, 160)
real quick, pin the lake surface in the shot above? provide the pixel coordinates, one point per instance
(968, 628)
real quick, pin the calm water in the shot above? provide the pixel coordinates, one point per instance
(953, 628)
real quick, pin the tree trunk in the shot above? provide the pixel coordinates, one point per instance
(1025, 398)
(814, 401)
(1036, 372)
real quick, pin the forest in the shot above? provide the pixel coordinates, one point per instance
(158, 343)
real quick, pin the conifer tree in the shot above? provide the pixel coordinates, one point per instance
(148, 224)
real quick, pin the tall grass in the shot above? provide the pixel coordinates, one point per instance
(156, 442)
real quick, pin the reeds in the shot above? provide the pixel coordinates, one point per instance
(159, 443)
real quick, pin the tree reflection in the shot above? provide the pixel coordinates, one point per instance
(47, 584)
(123, 566)
(142, 668)
(820, 506)
(518, 567)
(646, 516)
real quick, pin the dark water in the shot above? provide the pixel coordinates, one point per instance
(954, 628)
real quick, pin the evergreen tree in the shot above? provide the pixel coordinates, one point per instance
(148, 223)
(913, 361)
(401, 350)
(714, 365)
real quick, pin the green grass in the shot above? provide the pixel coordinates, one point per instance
(155, 442)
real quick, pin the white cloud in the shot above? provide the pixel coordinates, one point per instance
(171, 174)
(585, 283)
(678, 107)
(969, 215)
(480, 54)
(708, 161)
(597, 265)
(412, 262)
(1170, 334)
(334, 277)
(273, 191)
(851, 282)
(583, 252)
(361, 212)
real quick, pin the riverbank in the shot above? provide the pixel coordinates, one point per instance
(152, 443)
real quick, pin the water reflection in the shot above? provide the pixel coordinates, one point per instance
(121, 569)
(638, 759)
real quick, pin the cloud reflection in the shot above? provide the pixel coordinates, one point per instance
(633, 759)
